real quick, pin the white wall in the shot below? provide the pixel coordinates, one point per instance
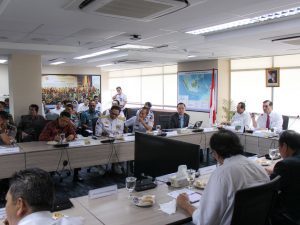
(4, 90)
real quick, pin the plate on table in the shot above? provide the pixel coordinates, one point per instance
(144, 201)
(200, 184)
(52, 142)
(264, 162)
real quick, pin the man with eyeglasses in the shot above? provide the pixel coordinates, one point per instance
(269, 119)
(110, 125)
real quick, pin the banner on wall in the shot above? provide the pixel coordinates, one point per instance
(70, 87)
(194, 89)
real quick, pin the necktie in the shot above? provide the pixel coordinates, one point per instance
(268, 122)
(181, 122)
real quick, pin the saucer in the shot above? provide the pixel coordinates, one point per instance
(200, 184)
(144, 201)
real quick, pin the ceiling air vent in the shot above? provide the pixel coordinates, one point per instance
(131, 61)
(142, 10)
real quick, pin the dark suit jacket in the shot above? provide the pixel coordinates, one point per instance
(175, 122)
(289, 198)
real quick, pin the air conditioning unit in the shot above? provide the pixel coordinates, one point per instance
(142, 10)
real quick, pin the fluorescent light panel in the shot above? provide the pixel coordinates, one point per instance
(130, 46)
(3, 60)
(108, 64)
(96, 54)
(57, 63)
(114, 56)
(191, 56)
(244, 22)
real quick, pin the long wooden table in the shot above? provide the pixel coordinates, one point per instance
(49, 158)
(119, 210)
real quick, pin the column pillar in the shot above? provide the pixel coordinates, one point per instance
(25, 88)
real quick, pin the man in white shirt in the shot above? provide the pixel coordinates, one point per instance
(30, 199)
(98, 104)
(234, 173)
(122, 98)
(140, 123)
(82, 107)
(241, 117)
(269, 119)
(58, 109)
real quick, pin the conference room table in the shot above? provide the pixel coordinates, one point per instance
(89, 152)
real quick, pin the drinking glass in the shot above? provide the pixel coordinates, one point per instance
(130, 185)
(191, 177)
(62, 137)
(158, 129)
(273, 152)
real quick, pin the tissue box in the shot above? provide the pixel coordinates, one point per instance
(179, 182)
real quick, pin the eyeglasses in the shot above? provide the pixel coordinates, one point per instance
(114, 114)
(265, 106)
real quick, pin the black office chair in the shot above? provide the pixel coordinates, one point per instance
(164, 121)
(253, 205)
(285, 123)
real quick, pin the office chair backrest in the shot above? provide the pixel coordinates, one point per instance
(252, 206)
(164, 121)
(285, 123)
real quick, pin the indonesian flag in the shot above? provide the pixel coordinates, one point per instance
(212, 103)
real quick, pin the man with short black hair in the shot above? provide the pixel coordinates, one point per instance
(30, 198)
(241, 117)
(56, 127)
(31, 125)
(269, 119)
(98, 104)
(234, 173)
(179, 119)
(89, 115)
(121, 97)
(58, 108)
(289, 169)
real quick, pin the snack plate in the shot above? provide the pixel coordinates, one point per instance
(264, 162)
(200, 184)
(144, 201)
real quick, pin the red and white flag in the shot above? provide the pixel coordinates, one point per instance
(212, 104)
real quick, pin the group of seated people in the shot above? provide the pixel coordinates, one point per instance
(267, 120)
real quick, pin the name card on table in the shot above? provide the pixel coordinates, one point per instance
(101, 192)
(8, 150)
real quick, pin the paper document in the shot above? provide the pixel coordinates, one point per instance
(9, 150)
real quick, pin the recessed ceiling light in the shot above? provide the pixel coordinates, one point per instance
(108, 64)
(244, 22)
(130, 46)
(3, 60)
(96, 54)
(57, 63)
(114, 56)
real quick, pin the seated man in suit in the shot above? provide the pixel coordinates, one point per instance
(289, 170)
(234, 173)
(30, 199)
(30, 126)
(180, 119)
(269, 119)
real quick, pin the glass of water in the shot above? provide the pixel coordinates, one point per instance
(191, 177)
(130, 185)
(62, 137)
(158, 129)
(273, 152)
